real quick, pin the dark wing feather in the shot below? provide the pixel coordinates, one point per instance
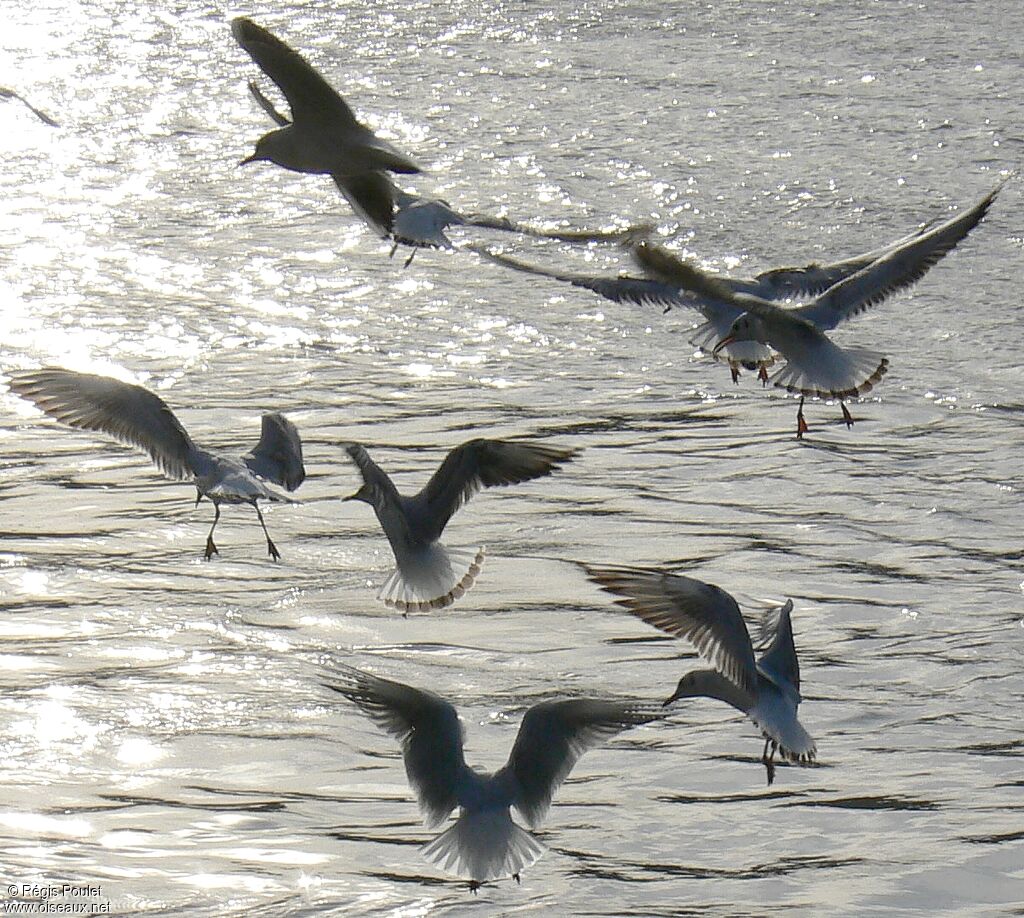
(278, 455)
(427, 727)
(125, 411)
(698, 612)
(310, 96)
(267, 105)
(552, 737)
(482, 463)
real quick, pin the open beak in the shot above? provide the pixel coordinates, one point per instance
(725, 342)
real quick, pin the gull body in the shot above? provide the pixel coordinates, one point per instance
(138, 417)
(430, 575)
(484, 843)
(814, 364)
(420, 222)
(767, 691)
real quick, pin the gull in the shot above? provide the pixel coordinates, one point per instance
(323, 135)
(485, 844)
(6, 93)
(429, 575)
(814, 364)
(420, 222)
(767, 691)
(916, 251)
(140, 418)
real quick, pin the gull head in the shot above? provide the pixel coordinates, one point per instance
(690, 686)
(270, 148)
(747, 327)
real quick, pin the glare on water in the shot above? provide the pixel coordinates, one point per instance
(166, 735)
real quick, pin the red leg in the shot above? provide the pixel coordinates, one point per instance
(801, 424)
(762, 374)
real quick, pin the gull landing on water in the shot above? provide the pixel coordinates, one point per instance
(767, 691)
(429, 575)
(814, 364)
(484, 843)
(136, 416)
(419, 222)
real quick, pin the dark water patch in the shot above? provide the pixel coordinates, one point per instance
(898, 804)
(993, 839)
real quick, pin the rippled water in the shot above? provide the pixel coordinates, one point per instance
(165, 734)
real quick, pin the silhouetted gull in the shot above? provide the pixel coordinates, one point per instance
(419, 222)
(914, 253)
(429, 575)
(138, 417)
(485, 844)
(768, 692)
(323, 135)
(814, 365)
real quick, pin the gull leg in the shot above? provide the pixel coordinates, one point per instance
(394, 249)
(762, 374)
(734, 370)
(768, 759)
(199, 496)
(801, 424)
(271, 547)
(474, 885)
(211, 549)
(412, 255)
(847, 417)
(515, 877)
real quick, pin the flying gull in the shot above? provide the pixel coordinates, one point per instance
(138, 417)
(767, 691)
(429, 575)
(484, 843)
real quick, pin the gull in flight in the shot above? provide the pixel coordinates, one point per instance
(485, 844)
(6, 93)
(323, 135)
(429, 575)
(909, 259)
(814, 364)
(767, 691)
(136, 416)
(419, 222)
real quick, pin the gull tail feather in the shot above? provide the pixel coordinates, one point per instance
(483, 845)
(432, 579)
(795, 743)
(856, 372)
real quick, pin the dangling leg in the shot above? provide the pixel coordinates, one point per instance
(769, 760)
(394, 249)
(199, 496)
(515, 877)
(735, 371)
(211, 549)
(801, 424)
(412, 255)
(474, 885)
(271, 547)
(762, 374)
(846, 415)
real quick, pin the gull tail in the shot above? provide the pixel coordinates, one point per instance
(431, 579)
(483, 845)
(847, 372)
(795, 743)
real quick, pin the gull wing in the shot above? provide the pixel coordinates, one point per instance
(278, 455)
(427, 727)
(309, 95)
(267, 105)
(552, 737)
(372, 196)
(481, 463)
(779, 662)
(125, 411)
(898, 268)
(698, 612)
(6, 93)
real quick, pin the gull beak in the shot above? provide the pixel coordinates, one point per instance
(725, 342)
(248, 159)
